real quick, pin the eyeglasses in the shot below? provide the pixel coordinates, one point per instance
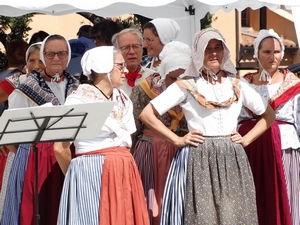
(121, 65)
(60, 54)
(148, 40)
(126, 48)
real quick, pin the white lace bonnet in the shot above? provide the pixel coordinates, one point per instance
(175, 55)
(201, 39)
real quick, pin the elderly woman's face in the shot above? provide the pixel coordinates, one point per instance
(152, 43)
(34, 62)
(56, 56)
(117, 75)
(270, 54)
(213, 54)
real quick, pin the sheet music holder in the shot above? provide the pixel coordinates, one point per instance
(52, 124)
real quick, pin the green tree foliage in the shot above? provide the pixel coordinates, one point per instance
(133, 20)
(206, 21)
(11, 29)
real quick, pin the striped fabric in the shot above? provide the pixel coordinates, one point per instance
(102, 189)
(174, 193)
(153, 156)
(80, 201)
(291, 164)
(143, 156)
(13, 196)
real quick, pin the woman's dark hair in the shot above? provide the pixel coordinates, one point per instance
(150, 26)
(38, 36)
(16, 52)
(104, 30)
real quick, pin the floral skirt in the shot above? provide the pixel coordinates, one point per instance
(210, 184)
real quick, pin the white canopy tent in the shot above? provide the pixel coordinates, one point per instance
(186, 12)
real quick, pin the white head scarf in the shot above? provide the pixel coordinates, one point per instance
(167, 29)
(99, 59)
(201, 40)
(31, 48)
(265, 76)
(175, 55)
(42, 58)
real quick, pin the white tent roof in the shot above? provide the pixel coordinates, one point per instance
(175, 9)
(152, 9)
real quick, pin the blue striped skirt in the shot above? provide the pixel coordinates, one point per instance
(174, 193)
(12, 202)
(80, 197)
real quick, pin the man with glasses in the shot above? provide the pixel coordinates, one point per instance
(130, 43)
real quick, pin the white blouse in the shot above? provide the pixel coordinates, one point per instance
(117, 128)
(212, 122)
(288, 112)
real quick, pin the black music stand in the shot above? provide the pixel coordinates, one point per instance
(52, 124)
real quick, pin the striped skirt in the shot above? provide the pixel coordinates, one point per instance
(12, 202)
(210, 184)
(50, 183)
(153, 156)
(103, 187)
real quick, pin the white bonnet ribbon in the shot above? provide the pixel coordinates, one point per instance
(209, 73)
(264, 75)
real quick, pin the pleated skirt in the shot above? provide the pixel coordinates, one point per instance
(265, 157)
(50, 183)
(12, 199)
(103, 189)
(153, 156)
(210, 184)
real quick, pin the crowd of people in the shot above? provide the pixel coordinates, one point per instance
(188, 140)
